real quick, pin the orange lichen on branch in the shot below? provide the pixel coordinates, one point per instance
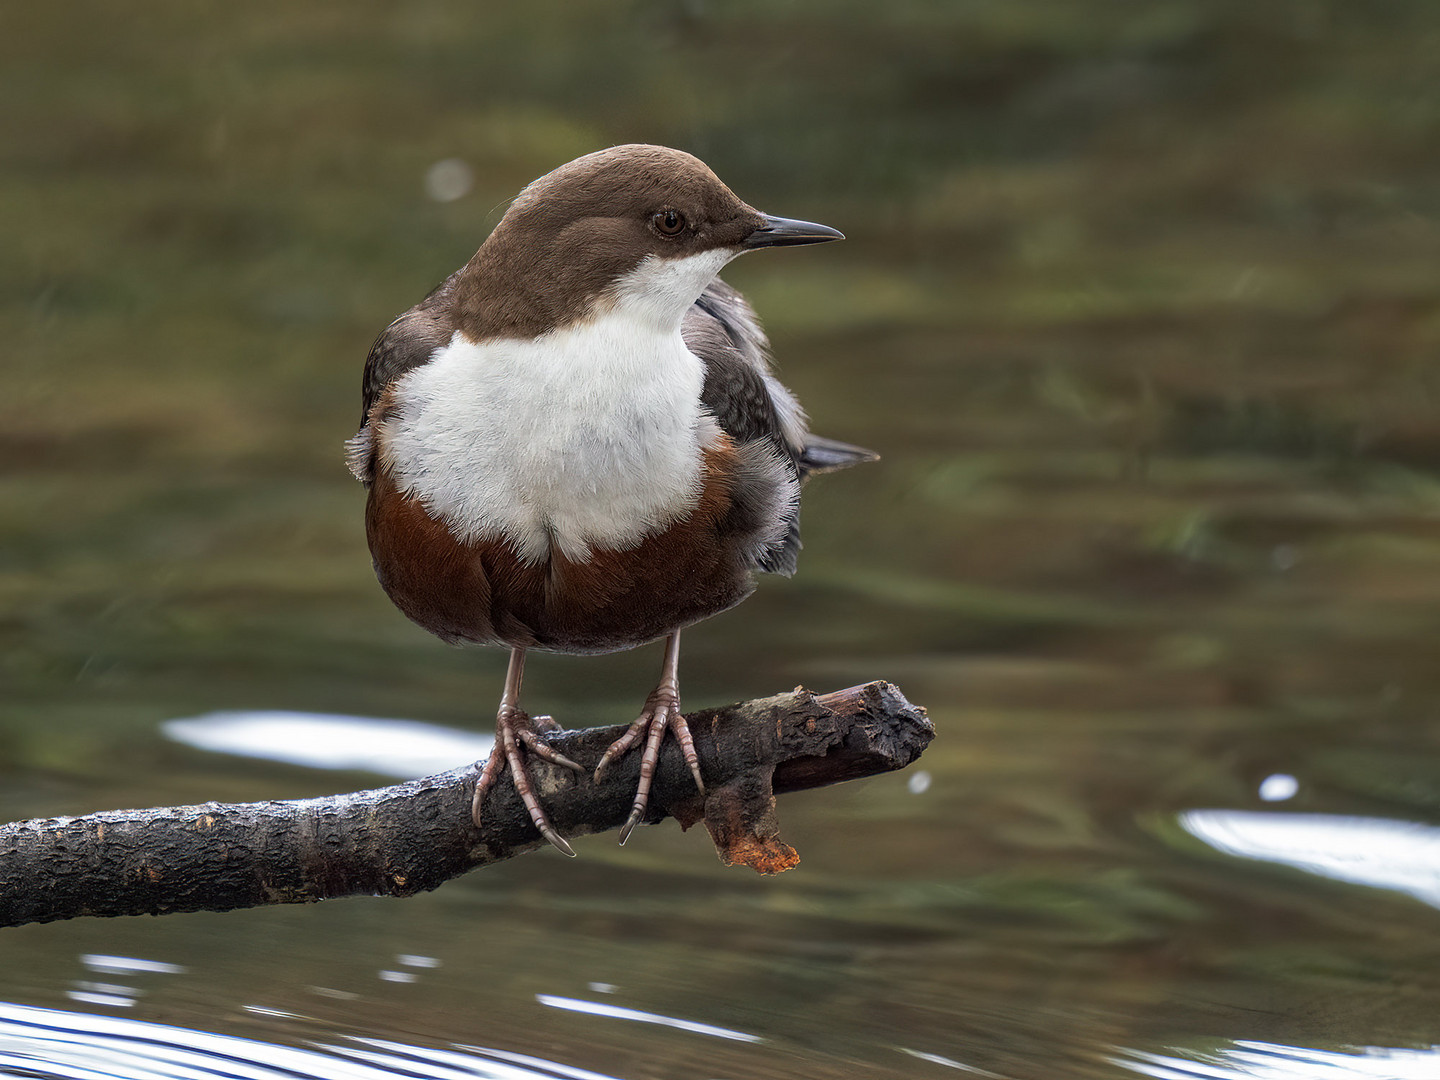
(740, 817)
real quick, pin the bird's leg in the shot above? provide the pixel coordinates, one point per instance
(514, 728)
(661, 714)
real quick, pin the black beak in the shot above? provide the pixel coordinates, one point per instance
(787, 232)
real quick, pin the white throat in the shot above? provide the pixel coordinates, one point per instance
(586, 437)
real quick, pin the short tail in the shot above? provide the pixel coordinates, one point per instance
(827, 455)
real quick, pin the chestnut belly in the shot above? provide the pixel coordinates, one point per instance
(483, 593)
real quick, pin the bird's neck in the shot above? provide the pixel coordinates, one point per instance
(517, 287)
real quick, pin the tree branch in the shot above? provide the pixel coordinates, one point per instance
(411, 837)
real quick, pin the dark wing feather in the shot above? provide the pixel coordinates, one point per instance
(753, 407)
(746, 399)
(408, 342)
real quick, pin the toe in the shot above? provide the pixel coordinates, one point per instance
(545, 752)
(514, 730)
(681, 730)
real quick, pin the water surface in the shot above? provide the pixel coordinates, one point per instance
(1138, 305)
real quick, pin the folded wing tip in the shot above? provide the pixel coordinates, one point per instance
(827, 455)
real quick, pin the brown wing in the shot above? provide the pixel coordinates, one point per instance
(408, 342)
(753, 407)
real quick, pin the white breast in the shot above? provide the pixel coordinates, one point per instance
(588, 437)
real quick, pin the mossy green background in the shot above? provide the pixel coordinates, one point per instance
(1139, 306)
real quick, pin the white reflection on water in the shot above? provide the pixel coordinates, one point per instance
(1278, 787)
(1399, 855)
(617, 1012)
(129, 965)
(109, 1001)
(114, 995)
(1267, 1061)
(949, 1063)
(400, 748)
(51, 1044)
(448, 180)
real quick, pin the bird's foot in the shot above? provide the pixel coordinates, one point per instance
(661, 714)
(515, 728)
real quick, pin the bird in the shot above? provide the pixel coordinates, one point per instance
(576, 442)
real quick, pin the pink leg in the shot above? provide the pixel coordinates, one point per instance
(661, 714)
(514, 728)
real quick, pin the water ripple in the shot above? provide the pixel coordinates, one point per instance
(52, 1044)
(1247, 1060)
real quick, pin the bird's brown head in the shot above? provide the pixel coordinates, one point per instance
(637, 224)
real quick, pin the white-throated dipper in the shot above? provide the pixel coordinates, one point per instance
(575, 443)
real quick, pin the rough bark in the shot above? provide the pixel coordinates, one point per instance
(411, 837)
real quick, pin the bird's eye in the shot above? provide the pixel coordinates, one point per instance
(669, 222)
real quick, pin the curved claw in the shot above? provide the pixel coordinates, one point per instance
(557, 841)
(630, 823)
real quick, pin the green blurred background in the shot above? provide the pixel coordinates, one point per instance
(1139, 305)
